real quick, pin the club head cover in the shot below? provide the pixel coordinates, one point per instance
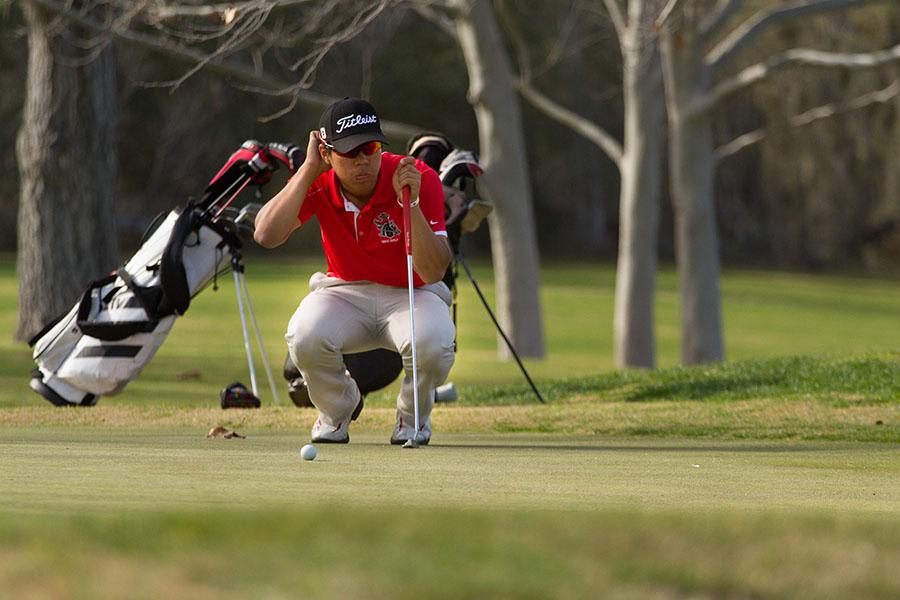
(430, 147)
(289, 155)
(459, 164)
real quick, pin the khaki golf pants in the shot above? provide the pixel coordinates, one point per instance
(339, 317)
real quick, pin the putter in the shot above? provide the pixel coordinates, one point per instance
(413, 442)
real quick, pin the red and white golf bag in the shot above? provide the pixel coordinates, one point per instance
(120, 322)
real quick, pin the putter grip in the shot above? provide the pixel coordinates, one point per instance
(407, 221)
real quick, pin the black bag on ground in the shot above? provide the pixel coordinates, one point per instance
(372, 370)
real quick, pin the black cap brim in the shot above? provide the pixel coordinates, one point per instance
(354, 141)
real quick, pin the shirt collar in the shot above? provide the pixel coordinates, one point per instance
(348, 206)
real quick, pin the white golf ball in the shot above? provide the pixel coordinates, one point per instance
(308, 452)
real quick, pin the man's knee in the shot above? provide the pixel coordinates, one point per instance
(434, 349)
(306, 341)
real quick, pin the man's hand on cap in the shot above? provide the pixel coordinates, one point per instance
(314, 160)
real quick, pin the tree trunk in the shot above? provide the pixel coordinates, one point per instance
(692, 167)
(641, 170)
(502, 147)
(67, 165)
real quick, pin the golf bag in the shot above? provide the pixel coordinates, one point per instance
(121, 320)
(463, 213)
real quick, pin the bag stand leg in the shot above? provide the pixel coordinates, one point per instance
(240, 286)
(259, 340)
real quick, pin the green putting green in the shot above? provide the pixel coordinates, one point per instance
(158, 469)
(773, 476)
(93, 513)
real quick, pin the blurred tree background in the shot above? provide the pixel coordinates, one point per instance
(817, 195)
(824, 195)
(820, 196)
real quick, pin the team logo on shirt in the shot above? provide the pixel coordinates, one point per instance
(386, 227)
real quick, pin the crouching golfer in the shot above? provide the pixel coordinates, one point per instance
(362, 303)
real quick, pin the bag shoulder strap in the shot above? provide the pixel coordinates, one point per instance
(113, 331)
(172, 274)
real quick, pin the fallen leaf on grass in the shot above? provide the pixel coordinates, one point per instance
(224, 432)
(192, 375)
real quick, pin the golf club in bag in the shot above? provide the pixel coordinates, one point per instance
(121, 320)
(463, 213)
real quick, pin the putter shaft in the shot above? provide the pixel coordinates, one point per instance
(407, 225)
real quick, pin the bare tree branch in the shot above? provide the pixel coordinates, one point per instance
(312, 61)
(746, 140)
(371, 42)
(617, 17)
(440, 18)
(580, 125)
(714, 23)
(667, 11)
(260, 82)
(561, 41)
(746, 33)
(163, 11)
(798, 56)
(515, 38)
(562, 47)
(246, 28)
(551, 108)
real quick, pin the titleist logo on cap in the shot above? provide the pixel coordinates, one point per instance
(354, 120)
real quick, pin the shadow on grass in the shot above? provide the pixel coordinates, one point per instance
(736, 386)
(867, 380)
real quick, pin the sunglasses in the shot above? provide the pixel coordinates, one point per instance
(368, 149)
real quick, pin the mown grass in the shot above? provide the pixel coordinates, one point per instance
(415, 553)
(776, 475)
(766, 314)
(100, 513)
(800, 398)
(759, 479)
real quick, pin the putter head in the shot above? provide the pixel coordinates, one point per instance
(411, 443)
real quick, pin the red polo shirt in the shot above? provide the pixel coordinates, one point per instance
(367, 244)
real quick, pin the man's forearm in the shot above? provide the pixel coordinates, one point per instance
(279, 217)
(431, 253)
